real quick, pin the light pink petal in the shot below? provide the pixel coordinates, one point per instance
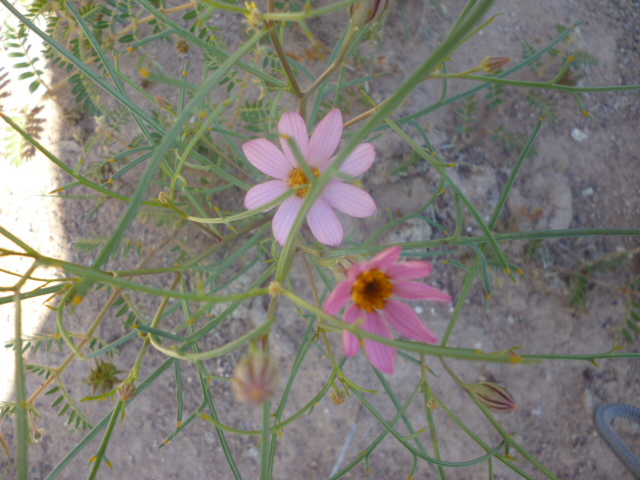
(292, 125)
(407, 323)
(264, 193)
(338, 298)
(359, 161)
(284, 218)
(419, 291)
(349, 199)
(350, 342)
(385, 259)
(381, 356)
(409, 270)
(325, 139)
(266, 157)
(324, 223)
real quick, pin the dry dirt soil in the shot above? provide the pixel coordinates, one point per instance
(585, 175)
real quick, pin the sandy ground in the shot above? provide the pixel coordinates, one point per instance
(585, 176)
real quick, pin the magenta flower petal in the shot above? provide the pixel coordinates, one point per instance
(349, 199)
(338, 298)
(325, 139)
(324, 223)
(284, 218)
(402, 317)
(292, 125)
(264, 193)
(385, 259)
(350, 342)
(360, 160)
(266, 157)
(381, 356)
(409, 270)
(419, 291)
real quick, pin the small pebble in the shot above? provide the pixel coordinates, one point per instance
(587, 192)
(578, 135)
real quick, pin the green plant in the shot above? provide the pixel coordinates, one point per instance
(192, 160)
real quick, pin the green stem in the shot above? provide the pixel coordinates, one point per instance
(346, 43)
(549, 85)
(102, 450)
(462, 353)
(22, 425)
(310, 13)
(265, 445)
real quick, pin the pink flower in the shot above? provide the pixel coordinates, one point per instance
(370, 286)
(318, 151)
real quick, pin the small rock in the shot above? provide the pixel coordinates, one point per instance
(578, 135)
(587, 192)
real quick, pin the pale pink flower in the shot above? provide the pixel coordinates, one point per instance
(370, 285)
(318, 151)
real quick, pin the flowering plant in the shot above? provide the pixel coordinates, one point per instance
(370, 286)
(290, 175)
(196, 263)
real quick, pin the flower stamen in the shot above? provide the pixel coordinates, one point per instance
(299, 178)
(371, 290)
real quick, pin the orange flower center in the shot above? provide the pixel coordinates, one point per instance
(298, 178)
(371, 290)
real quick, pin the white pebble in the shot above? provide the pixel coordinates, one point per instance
(578, 135)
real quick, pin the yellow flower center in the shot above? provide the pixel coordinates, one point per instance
(298, 178)
(371, 290)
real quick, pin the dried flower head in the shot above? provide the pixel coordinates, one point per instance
(126, 391)
(103, 376)
(255, 378)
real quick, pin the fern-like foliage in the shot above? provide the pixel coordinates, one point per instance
(19, 48)
(16, 147)
(468, 113)
(126, 247)
(529, 50)
(512, 142)
(255, 115)
(4, 82)
(68, 406)
(544, 104)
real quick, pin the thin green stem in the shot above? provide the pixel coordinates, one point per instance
(102, 450)
(265, 445)
(21, 425)
(346, 44)
(546, 85)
